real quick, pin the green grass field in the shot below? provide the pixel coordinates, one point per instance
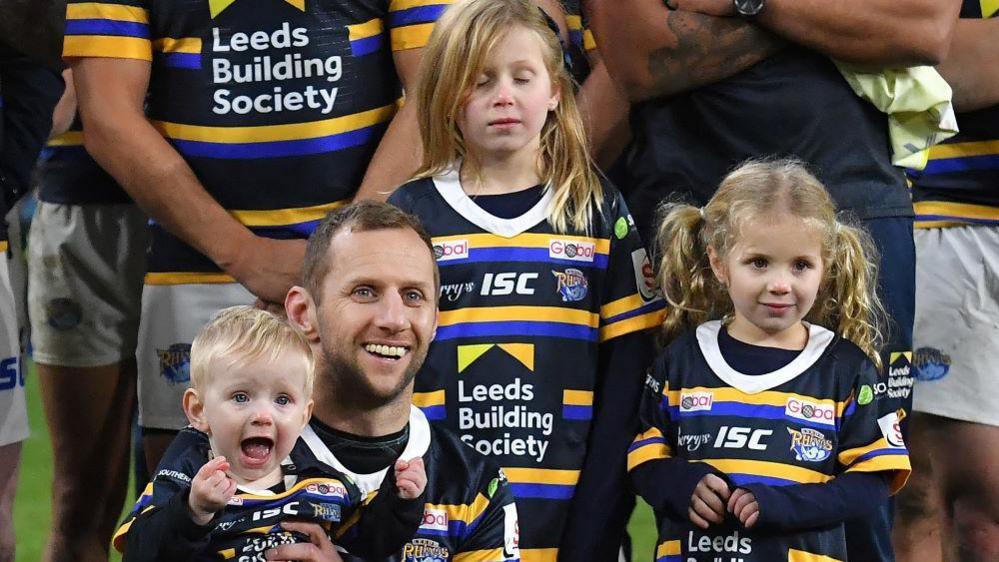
(32, 506)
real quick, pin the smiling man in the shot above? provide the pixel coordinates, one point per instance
(369, 308)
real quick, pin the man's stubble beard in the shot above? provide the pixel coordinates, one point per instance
(348, 384)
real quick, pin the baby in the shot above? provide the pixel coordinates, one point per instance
(222, 488)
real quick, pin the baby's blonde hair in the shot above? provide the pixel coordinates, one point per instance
(453, 59)
(847, 300)
(240, 334)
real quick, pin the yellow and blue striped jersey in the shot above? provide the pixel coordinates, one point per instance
(526, 315)
(960, 185)
(276, 105)
(805, 423)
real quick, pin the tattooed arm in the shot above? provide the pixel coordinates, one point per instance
(873, 32)
(651, 51)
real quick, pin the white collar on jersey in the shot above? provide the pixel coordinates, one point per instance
(819, 339)
(417, 446)
(448, 185)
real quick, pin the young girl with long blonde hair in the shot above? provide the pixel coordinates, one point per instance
(760, 432)
(547, 296)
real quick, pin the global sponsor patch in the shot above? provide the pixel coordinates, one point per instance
(696, 401)
(572, 250)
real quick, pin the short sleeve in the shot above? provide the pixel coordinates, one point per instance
(651, 443)
(411, 21)
(868, 443)
(492, 525)
(631, 301)
(108, 29)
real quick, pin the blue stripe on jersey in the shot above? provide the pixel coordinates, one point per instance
(522, 328)
(543, 491)
(850, 409)
(576, 37)
(644, 442)
(880, 452)
(670, 558)
(957, 218)
(434, 413)
(758, 411)
(481, 255)
(277, 149)
(644, 309)
(191, 61)
(571, 412)
(107, 27)
(945, 165)
(419, 14)
(742, 479)
(367, 45)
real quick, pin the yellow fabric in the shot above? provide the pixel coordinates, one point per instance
(917, 101)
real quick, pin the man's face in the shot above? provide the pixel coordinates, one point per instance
(377, 313)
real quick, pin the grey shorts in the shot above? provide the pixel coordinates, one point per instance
(172, 315)
(85, 269)
(13, 415)
(956, 334)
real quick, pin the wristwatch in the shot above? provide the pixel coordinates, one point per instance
(748, 8)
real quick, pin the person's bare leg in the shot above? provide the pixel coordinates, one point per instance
(10, 459)
(921, 520)
(154, 444)
(89, 412)
(970, 471)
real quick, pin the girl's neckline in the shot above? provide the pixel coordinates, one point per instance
(819, 339)
(449, 187)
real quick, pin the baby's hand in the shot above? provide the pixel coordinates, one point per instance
(743, 505)
(211, 489)
(410, 478)
(707, 504)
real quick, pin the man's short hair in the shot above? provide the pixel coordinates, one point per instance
(363, 216)
(240, 334)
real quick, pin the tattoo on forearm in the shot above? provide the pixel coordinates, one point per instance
(707, 49)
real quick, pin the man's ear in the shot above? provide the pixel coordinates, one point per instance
(301, 310)
(194, 409)
(717, 266)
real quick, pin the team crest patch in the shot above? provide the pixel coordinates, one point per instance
(63, 314)
(326, 511)
(931, 364)
(810, 445)
(572, 284)
(425, 550)
(175, 363)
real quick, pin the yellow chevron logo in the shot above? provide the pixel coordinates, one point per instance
(216, 7)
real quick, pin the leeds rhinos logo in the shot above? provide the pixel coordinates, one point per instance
(424, 550)
(810, 445)
(572, 284)
(175, 363)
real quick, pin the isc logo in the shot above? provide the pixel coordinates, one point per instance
(290, 508)
(507, 283)
(742, 438)
(11, 374)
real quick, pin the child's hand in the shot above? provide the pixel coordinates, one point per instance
(707, 504)
(211, 489)
(743, 505)
(410, 478)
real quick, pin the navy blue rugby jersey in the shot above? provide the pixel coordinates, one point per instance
(469, 513)
(159, 527)
(960, 184)
(525, 314)
(805, 423)
(795, 103)
(277, 105)
(68, 175)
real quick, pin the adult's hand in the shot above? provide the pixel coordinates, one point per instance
(318, 549)
(268, 267)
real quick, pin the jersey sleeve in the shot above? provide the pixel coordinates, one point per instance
(630, 300)
(868, 443)
(114, 29)
(411, 21)
(158, 527)
(492, 527)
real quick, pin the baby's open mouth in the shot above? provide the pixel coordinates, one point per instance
(257, 448)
